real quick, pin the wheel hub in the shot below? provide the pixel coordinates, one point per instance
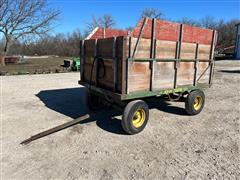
(138, 118)
(197, 103)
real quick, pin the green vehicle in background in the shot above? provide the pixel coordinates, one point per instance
(76, 64)
(72, 64)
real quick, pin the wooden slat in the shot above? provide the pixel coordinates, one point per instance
(195, 64)
(82, 59)
(204, 51)
(96, 61)
(165, 49)
(139, 37)
(188, 51)
(123, 63)
(115, 64)
(185, 73)
(164, 75)
(211, 57)
(152, 54)
(178, 54)
(144, 48)
(138, 76)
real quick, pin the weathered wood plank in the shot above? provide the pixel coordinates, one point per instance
(105, 47)
(138, 76)
(144, 48)
(204, 51)
(203, 67)
(165, 49)
(152, 53)
(188, 51)
(163, 75)
(185, 74)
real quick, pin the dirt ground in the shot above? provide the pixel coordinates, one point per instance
(35, 66)
(172, 146)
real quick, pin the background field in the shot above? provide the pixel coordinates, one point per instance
(35, 66)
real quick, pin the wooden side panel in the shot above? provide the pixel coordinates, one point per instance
(188, 51)
(198, 35)
(146, 31)
(121, 66)
(203, 67)
(168, 31)
(105, 80)
(138, 76)
(139, 72)
(165, 49)
(107, 33)
(165, 30)
(105, 47)
(185, 74)
(204, 51)
(163, 75)
(144, 48)
(105, 50)
(89, 49)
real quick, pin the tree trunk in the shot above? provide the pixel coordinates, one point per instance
(2, 60)
(4, 53)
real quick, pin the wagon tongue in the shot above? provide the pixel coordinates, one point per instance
(55, 129)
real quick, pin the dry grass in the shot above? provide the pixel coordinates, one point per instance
(34, 66)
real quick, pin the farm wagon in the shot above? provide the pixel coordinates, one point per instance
(156, 58)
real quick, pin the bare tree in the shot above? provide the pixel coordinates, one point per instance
(21, 18)
(129, 28)
(227, 32)
(105, 21)
(95, 22)
(209, 22)
(152, 13)
(189, 21)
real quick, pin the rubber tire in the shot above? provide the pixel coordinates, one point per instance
(128, 113)
(94, 102)
(190, 101)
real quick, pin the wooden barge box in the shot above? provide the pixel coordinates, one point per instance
(156, 57)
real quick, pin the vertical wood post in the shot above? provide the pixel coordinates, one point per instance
(96, 69)
(115, 64)
(139, 36)
(211, 63)
(129, 55)
(178, 54)
(124, 67)
(82, 54)
(196, 64)
(152, 53)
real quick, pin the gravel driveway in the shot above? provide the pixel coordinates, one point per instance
(172, 146)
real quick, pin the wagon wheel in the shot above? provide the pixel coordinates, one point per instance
(195, 102)
(135, 117)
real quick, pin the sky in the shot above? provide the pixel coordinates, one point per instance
(76, 13)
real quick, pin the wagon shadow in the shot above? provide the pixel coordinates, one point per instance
(164, 105)
(72, 103)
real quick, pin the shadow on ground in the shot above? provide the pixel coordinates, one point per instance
(72, 103)
(230, 71)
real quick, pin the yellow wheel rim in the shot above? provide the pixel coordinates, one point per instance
(138, 118)
(198, 103)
